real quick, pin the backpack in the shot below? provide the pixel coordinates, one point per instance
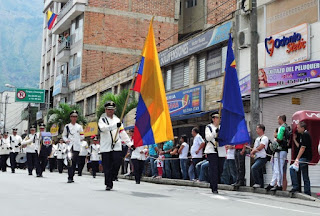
(268, 150)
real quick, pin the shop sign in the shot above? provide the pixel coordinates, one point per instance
(91, 129)
(283, 75)
(196, 44)
(186, 101)
(289, 46)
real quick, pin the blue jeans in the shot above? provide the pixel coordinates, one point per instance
(229, 174)
(153, 166)
(184, 168)
(176, 174)
(167, 169)
(257, 171)
(204, 171)
(191, 172)
(195, 161)
(305, 174)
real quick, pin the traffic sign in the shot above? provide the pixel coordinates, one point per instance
(30, 95)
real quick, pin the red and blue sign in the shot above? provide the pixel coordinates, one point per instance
(186, 101)
(293, 43)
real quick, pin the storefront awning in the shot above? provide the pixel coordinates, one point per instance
(282, 90)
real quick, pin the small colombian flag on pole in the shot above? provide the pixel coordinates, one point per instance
(51, 17)
(153, 122)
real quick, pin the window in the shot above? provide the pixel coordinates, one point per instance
(115, 90)
(191, 3)
(105, 92)
(209, 65)
(48, 71)
(81, 105)
(125, 85)
(77, 22)
(177, 76)
(91, 104)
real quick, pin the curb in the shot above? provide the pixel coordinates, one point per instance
(188, 183)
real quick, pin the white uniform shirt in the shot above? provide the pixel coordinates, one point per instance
(53, 151)
(83, 148)
(107, 125)
(15, 140)
(94, 150)
(60, 151)
(33, 143)
(137, 155)
(210, 137)
(75, 135)
(184, 152)
(5, 146)
(197, 140)
(261, 140)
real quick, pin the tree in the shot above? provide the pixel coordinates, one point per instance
(119, 100)
(61, 116)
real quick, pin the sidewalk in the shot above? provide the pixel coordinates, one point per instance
(188, 183)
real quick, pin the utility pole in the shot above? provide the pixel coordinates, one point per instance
(5, 113)
(254, 99)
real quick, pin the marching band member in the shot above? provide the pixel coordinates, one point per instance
(110, 143)
(31, 144)
(15, 143)
(82, 156)
(44, 151)
(72, 135)
(138, 158)
(52, 158)
(4, 151)
(94, 156)
(61, 148)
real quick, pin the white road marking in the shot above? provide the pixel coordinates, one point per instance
(277, 207)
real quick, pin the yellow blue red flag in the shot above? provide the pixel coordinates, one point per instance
(153, 122)
(51, 17)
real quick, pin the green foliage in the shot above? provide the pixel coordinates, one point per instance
(119, 100)
(61, 116)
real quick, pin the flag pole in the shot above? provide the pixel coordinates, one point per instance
(127, 99)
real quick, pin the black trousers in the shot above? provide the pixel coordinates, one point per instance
(138, 169)
(52, 164)
(72, 168)
(81, 163)
(215, 170)
(13, 156)
(43, 161)
(60, 165)
(240, 166)
(4, 159)
(33, 162)
(111, 162)
(95, 167)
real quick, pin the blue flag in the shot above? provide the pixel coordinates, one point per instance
(233, 129)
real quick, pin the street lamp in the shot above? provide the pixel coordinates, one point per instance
(5, 107)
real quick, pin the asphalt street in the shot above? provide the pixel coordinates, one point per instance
(21, 194)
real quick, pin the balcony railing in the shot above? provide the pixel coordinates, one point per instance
(64, 45)
(66, 8)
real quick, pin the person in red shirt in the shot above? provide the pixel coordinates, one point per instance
(239, 155)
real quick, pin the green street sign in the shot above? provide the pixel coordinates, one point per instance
(30, 95)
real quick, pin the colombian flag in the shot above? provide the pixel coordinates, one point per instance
(153, 123)
(51, 17)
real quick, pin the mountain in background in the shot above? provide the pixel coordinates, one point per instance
(21, 24)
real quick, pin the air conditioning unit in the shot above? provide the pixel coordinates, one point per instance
(244, 38)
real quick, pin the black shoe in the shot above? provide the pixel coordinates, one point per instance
(30, 173)
(12, 171)
(293, 191)
(215, 192)
(108, 188)
(70, 181)
(137, 182)
(94, 176)
(269, 187)
(79, 174)
(277, 188)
